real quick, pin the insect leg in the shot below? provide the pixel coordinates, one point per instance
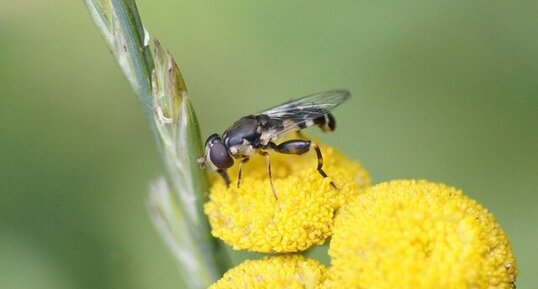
(243, 161)
(291, 147)
(299, 147)
(224, 176)
(266, 154)
(320, 164)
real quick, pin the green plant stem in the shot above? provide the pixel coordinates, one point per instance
(177, 211)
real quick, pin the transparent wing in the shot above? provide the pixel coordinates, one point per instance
(300, 113)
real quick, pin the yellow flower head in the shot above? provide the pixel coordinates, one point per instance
(250, 218)
(286, 271)
(416, 234)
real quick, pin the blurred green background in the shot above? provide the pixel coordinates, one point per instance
(443, 90)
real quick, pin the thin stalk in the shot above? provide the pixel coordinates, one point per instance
(176, 203)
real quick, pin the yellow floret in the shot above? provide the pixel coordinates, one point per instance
(250, 218)
(416, 234)
(279, 272)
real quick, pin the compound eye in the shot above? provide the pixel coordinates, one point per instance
(220, 157)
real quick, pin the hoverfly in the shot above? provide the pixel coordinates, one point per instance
(257, 133)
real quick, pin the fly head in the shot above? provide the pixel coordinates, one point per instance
(217, 154)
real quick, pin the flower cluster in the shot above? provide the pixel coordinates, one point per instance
(417, 234)
(251, 218)
(285, 271)
(398, 234)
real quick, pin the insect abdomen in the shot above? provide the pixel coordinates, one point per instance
(326, 122)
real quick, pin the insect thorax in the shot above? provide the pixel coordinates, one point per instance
(243, 138)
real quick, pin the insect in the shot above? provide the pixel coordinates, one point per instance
(258, 133)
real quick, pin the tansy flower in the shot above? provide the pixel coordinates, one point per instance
(286, 271)
(251, 218)
(417, 234)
